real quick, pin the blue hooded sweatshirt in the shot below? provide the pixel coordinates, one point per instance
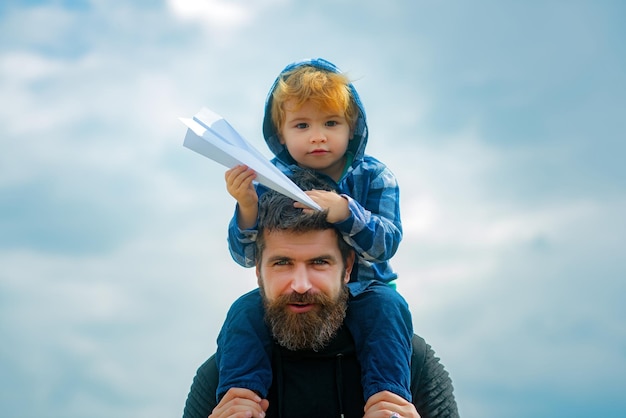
(373, 228)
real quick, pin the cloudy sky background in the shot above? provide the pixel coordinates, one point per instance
(504, 122)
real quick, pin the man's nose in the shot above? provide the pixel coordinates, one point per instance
(300, 282)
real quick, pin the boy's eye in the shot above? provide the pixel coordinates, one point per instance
(332, 123)
(301, 125)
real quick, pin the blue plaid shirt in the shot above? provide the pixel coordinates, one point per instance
(373, 228)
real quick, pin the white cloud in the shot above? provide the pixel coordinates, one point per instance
(490, 270)
(218, 13)
(21, 67)
(51, 22)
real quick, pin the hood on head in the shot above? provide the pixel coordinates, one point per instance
(358, 142)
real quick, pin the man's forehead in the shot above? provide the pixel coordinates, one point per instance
(287, 241)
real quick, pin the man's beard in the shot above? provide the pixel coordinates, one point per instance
(310, 330)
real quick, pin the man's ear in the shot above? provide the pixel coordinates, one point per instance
(349, 266)
(258, 275)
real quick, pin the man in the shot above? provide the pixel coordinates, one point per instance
(303, 266)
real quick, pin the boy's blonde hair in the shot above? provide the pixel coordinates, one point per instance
(326, 89)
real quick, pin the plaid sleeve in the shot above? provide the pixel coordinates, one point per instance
(374, 227)
(241, 243)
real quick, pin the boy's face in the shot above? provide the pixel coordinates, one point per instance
(316, 138)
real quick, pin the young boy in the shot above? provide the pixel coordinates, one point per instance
(314, 120)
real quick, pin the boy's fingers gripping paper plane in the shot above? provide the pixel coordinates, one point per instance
(211, 135)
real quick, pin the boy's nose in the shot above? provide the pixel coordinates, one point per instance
(300, 282)
(317, 136)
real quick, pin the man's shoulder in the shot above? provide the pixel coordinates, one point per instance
(201, 398)
(431, 385)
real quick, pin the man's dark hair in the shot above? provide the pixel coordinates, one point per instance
(277, 213)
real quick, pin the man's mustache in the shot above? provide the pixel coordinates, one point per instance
(303, 299)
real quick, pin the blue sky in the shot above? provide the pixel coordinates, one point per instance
(504, 122)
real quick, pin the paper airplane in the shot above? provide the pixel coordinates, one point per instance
(211, 135)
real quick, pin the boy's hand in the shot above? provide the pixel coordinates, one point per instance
(336, 205)
(240, 403)
(386, 404)
(239, 185)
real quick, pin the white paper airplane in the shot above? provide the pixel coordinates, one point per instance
(211, 135)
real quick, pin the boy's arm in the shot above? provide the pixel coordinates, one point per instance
(374, 228)
(241, 243)
(242, 228)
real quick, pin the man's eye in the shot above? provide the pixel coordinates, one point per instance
(320, 262)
